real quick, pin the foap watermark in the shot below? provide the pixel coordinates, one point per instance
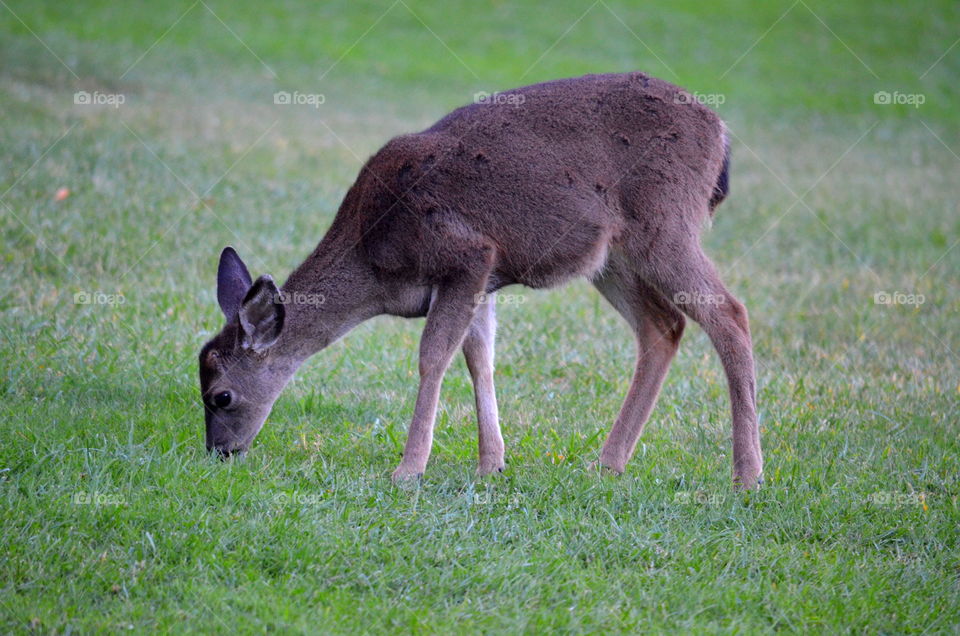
(704, 99)
(698, 298)
(885, 98)
(898, 298)
(698, 497)
(97, 498)
(98, 298)
(511, 500)
(484, 298)
(96, 98)
(296, 98)
(299, 298)
(887, 498)
(499, 99)
(297, 498)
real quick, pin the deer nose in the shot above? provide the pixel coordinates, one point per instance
(222, 452)
(226, 449)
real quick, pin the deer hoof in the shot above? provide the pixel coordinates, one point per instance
(603, 469)
(748, 481)
(490, 467)
(404, 476)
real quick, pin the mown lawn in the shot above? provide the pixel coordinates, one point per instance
(113, 515)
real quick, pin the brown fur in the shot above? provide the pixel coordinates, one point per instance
(610, 177)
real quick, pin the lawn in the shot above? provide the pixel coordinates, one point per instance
(840, 235)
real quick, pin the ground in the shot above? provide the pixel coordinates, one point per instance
(137, 141)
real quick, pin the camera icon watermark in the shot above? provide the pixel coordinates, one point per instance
(296, 98)
(96, 98)
(885, 98)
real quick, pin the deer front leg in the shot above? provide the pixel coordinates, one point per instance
(448, 319)
(478, 351)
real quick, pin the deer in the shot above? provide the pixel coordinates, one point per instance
(610, 177)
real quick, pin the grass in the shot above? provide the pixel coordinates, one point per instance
(115, 518)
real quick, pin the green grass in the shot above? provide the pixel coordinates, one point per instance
(856, 527)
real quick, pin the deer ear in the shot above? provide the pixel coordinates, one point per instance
(233, 281)
(261, 315)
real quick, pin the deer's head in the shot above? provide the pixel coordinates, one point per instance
(241, 371)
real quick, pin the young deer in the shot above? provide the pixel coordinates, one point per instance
(610, 177)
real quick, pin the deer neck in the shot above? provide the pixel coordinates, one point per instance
(330, 293)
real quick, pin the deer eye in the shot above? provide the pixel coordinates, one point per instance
(222, 400)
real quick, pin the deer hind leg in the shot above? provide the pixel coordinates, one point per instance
(448, 319)
(691, 281)
(658, 327)
(478, 350)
